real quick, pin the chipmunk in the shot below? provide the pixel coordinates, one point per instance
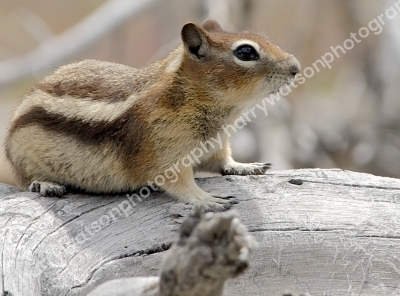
(108, 128)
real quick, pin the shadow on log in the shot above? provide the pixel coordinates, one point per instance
(327, 232)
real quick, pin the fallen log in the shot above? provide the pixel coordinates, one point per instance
(329, 232)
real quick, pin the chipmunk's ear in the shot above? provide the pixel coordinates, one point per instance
(211, 25)
(195, 40)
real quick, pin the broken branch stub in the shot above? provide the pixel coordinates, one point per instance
(211, 249)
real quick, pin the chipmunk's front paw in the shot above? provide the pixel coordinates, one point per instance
(243, 169)
(47, 189)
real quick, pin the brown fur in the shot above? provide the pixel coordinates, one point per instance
(93, 79)
(105, 127)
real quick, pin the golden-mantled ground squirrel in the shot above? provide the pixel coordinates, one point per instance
(108, 128)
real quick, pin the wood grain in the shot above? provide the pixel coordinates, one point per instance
(327, 232)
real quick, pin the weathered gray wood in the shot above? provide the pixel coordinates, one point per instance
(138, 286)
(211, 249)
(336, 234)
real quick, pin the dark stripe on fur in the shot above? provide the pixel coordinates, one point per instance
(94, 90)
(128, 133)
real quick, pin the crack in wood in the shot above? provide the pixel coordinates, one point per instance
(378, 236)
(301, 229)
(153, 250)
(354, 185)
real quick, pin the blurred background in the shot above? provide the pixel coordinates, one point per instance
(345, 117)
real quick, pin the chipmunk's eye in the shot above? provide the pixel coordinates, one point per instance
(246, 52)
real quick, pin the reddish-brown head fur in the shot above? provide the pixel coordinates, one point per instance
(211, 58)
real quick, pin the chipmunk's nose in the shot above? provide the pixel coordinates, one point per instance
(294, 65)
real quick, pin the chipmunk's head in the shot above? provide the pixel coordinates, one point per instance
(242, 66)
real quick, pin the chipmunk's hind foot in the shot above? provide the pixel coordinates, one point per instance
(219, 203)
(48, 189)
